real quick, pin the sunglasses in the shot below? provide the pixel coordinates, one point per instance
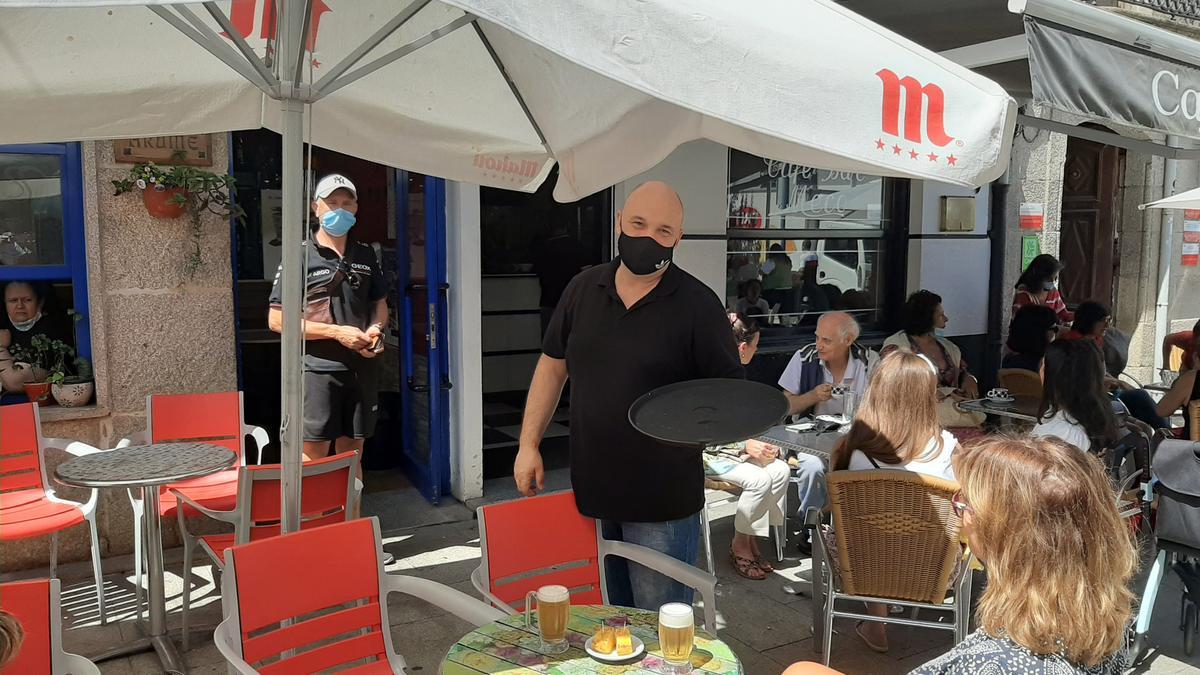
(960, 505)
(350, 274)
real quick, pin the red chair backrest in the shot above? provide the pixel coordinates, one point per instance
(20, 457)
(323, 494)
(535, 538)
(212, 418)
(29, 602)
(296, 575)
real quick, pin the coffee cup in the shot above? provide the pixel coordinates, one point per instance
(839, 390)
(999, 393)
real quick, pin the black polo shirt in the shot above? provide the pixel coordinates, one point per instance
(352, 302)
(678, 332)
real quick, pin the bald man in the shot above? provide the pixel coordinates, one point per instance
(834, 360)
(621, 330)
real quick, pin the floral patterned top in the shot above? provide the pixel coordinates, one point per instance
(982, 654)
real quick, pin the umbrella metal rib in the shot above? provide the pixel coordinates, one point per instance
(512, 86)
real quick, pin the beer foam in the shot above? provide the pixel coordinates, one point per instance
(553, 594)
(676, 615)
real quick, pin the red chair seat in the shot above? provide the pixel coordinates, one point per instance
(28, 513)
(217, 491)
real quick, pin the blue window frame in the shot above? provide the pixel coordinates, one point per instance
(73, 268)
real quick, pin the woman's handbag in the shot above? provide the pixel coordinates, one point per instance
(1177, 471)
(318, 299)
(949, 414)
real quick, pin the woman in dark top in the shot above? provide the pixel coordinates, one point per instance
(1033, 328)
(25, 315)
(1043, 518)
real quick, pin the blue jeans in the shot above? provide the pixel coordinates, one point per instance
(632, 585)
(811, 488)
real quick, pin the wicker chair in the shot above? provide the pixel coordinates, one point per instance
(1021, 383)
(1193, 412)
(895, 540)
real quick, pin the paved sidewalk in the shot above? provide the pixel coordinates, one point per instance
(767, 625)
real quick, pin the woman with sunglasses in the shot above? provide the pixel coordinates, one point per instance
(1043, 519)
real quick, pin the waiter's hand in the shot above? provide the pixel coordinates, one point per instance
(528, 471)
(352, 338)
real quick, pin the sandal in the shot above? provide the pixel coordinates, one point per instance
(763, 564)
(746, 567)
(882, 649)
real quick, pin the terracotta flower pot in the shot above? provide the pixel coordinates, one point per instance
(73, 394)
(159, 202)
(38, 392)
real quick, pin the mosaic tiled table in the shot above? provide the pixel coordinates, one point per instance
(508, 647)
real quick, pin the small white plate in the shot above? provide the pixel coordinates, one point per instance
(1008, 399)
(638, 648)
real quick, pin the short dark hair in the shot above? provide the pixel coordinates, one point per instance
(1073, 383)
(744, 327)
(1089, 315)
(40, 289)
(1041, 269)
(1027, 332)
(919, 311)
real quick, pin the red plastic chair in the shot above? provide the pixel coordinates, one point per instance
(210, 418)
(532, 542)
(327, 494)
(35, 604)
(29, 506)
(285, 595)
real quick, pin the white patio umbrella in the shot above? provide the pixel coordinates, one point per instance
(494, 91)
(1184, 200)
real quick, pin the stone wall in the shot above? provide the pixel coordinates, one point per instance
(155, 329)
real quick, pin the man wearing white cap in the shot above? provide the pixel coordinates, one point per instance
(345, 312)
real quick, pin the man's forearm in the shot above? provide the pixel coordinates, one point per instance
(798, 402)
(313, 330)
(544, 392)
(380, 316)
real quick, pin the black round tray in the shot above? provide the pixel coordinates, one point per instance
(700, 413)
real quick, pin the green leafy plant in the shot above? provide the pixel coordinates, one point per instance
(203, 192)
(83, 373)
(45, 353)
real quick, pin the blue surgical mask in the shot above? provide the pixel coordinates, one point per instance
(939, 332)
(337, 222)
(1050, 285)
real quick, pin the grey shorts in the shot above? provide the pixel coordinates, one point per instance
(342, 403)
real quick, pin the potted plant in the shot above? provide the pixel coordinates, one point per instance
(72, 391)
(42, 358)
(171, 191)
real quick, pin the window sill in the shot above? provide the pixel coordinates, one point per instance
(56, 413)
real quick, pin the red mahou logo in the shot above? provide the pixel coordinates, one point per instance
(921, 103)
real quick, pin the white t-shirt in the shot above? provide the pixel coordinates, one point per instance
(931, 462)
(1065, 428)
(744, 305)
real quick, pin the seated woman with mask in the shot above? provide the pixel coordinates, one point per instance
(22, 319)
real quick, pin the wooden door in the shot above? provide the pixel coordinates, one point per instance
(1087, 245)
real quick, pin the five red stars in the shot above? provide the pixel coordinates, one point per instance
(951, 160)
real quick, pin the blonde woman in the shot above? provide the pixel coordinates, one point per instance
(896, 427)
(756, 468)
(1043, 518)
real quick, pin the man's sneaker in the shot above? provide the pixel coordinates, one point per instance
(388, 558)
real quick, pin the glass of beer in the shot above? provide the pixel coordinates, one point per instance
(676, 633)
(553, 612)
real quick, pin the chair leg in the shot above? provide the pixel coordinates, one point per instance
(138, 537)
(97, 570)
(780, 539)
(188, 555)
(54, 555)
(827, 637)
(707, 532)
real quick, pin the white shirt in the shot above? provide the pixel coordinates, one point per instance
(931, 462)
(1066, 429)
(743, 306)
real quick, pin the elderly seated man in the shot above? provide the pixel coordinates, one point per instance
(835, 359)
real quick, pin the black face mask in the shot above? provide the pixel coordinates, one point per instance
(643, 255)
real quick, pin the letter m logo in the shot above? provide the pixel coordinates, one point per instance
(918, 102)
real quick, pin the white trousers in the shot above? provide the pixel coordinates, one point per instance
(761, 502)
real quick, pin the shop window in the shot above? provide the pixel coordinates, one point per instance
(804, 241)
(41, 229)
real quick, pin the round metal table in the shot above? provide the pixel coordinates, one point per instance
(507, 645)
(146, 467)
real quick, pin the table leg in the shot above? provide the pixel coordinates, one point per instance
(167, 654)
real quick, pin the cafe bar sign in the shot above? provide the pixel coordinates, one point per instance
(193, 150)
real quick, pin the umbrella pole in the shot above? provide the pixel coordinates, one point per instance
(293, 282)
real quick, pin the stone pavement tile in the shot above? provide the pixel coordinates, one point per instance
(116, 667)
(753, 661)
(757, 620)
(424, 644)
(92, 640)
(444, 553)
(405, 609)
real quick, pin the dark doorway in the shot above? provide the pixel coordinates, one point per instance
(1091, 182)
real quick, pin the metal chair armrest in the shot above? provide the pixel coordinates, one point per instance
(456, 602)
(76, 448)
(235, 661)
(136, 438)
(477, 582)
(664, 564)
(223, 516)
(261, 439)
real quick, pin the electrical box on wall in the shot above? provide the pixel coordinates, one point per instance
(957, 214)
